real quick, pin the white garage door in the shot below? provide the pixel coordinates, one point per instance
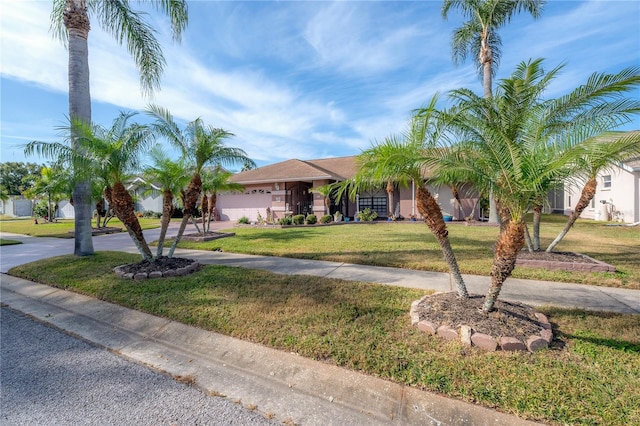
(234, 206)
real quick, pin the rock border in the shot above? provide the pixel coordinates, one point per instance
(180, 272)
(467, 336)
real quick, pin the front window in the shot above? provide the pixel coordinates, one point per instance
(606, 182)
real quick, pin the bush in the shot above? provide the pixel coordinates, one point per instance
(312, 219)
(298, 219)
(243, 220)
(40, 209)
(327, 218)
(367, 215)
(285, 221)
(151, 214)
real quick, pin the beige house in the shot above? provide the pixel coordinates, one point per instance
(287, 188)
(617, 195)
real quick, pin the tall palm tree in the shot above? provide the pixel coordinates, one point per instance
(403, 159)
(478, 36)
(213, 182)
(502, 138)
(173, 177)
(203, 146)
(70, 21)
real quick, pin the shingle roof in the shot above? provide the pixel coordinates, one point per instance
(340, 168)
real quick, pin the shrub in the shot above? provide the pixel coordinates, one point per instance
(367, 215)
(151, 214)
(312, 219)
(244, 220)
(40, 209)
(298, 219)
(327, 218)
(285, 221)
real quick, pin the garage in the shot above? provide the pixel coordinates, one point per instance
(233, 206)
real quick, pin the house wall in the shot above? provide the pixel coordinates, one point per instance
(16, 206)
(149, 202)
(254, 200)
(619, 202)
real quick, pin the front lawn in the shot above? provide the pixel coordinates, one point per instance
(60, 228)
(590, 374)
(412, 246)
(6, 242)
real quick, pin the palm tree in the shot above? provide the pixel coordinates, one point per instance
(111, 155)
(70, 21)
(52, 184)
(172, 176)
(502, 139)
(202, 146)
(213, 182)
(403, 160)
(479, 37)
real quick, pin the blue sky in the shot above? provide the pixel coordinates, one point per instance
(296, 79)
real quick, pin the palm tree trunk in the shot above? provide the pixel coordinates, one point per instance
(190, 202)
(586, 196)
(430, 210)
(213, 199)
(205, 212)
(537, 214)
(167, 211)
(527, 239)
(510, 243)
(76, 20)
(123, 207)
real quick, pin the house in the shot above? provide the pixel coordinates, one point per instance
(16, 206)
(617, 195)
(290, 188)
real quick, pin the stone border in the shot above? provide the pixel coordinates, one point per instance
(467, 336)
(194, 266)
(593, 265)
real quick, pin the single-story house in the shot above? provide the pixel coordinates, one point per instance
(16, 206)
(617, 195)
(290, 188)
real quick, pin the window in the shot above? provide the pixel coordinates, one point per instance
(569, 201)
(606, 182)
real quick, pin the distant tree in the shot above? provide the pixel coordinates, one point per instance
(16, 177)
(52, 185)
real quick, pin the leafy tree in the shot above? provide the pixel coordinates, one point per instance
(173, 177)
(16, 177)
(214, 182)
(502, 137)
(53, 184)
(70, 21)
(403, 159)
(478, 36)
(203, 146)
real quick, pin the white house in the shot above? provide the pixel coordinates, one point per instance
(617, 195)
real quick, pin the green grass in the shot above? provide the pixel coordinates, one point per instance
(6, 242)
(590, 376)
(61, 228)
(412, 246)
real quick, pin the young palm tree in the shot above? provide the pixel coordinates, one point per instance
(403, 160)
(202, 146)
(112, 155)
(173, 177)
(479, 37)
(213, 182)
(503, 137)
(70, 21)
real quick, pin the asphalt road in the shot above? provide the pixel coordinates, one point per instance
(50, 378)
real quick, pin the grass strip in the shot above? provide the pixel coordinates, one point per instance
(589, 376)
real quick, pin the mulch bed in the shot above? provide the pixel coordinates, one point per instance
(160, 264)
(559, 256)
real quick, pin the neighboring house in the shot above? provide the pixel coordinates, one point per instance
(147, 196)
(617, 195)
(16, 206)
(287, 188)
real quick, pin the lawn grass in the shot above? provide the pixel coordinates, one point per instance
(6, 242)
(589, 376)
(60, 228)
(412, 246)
